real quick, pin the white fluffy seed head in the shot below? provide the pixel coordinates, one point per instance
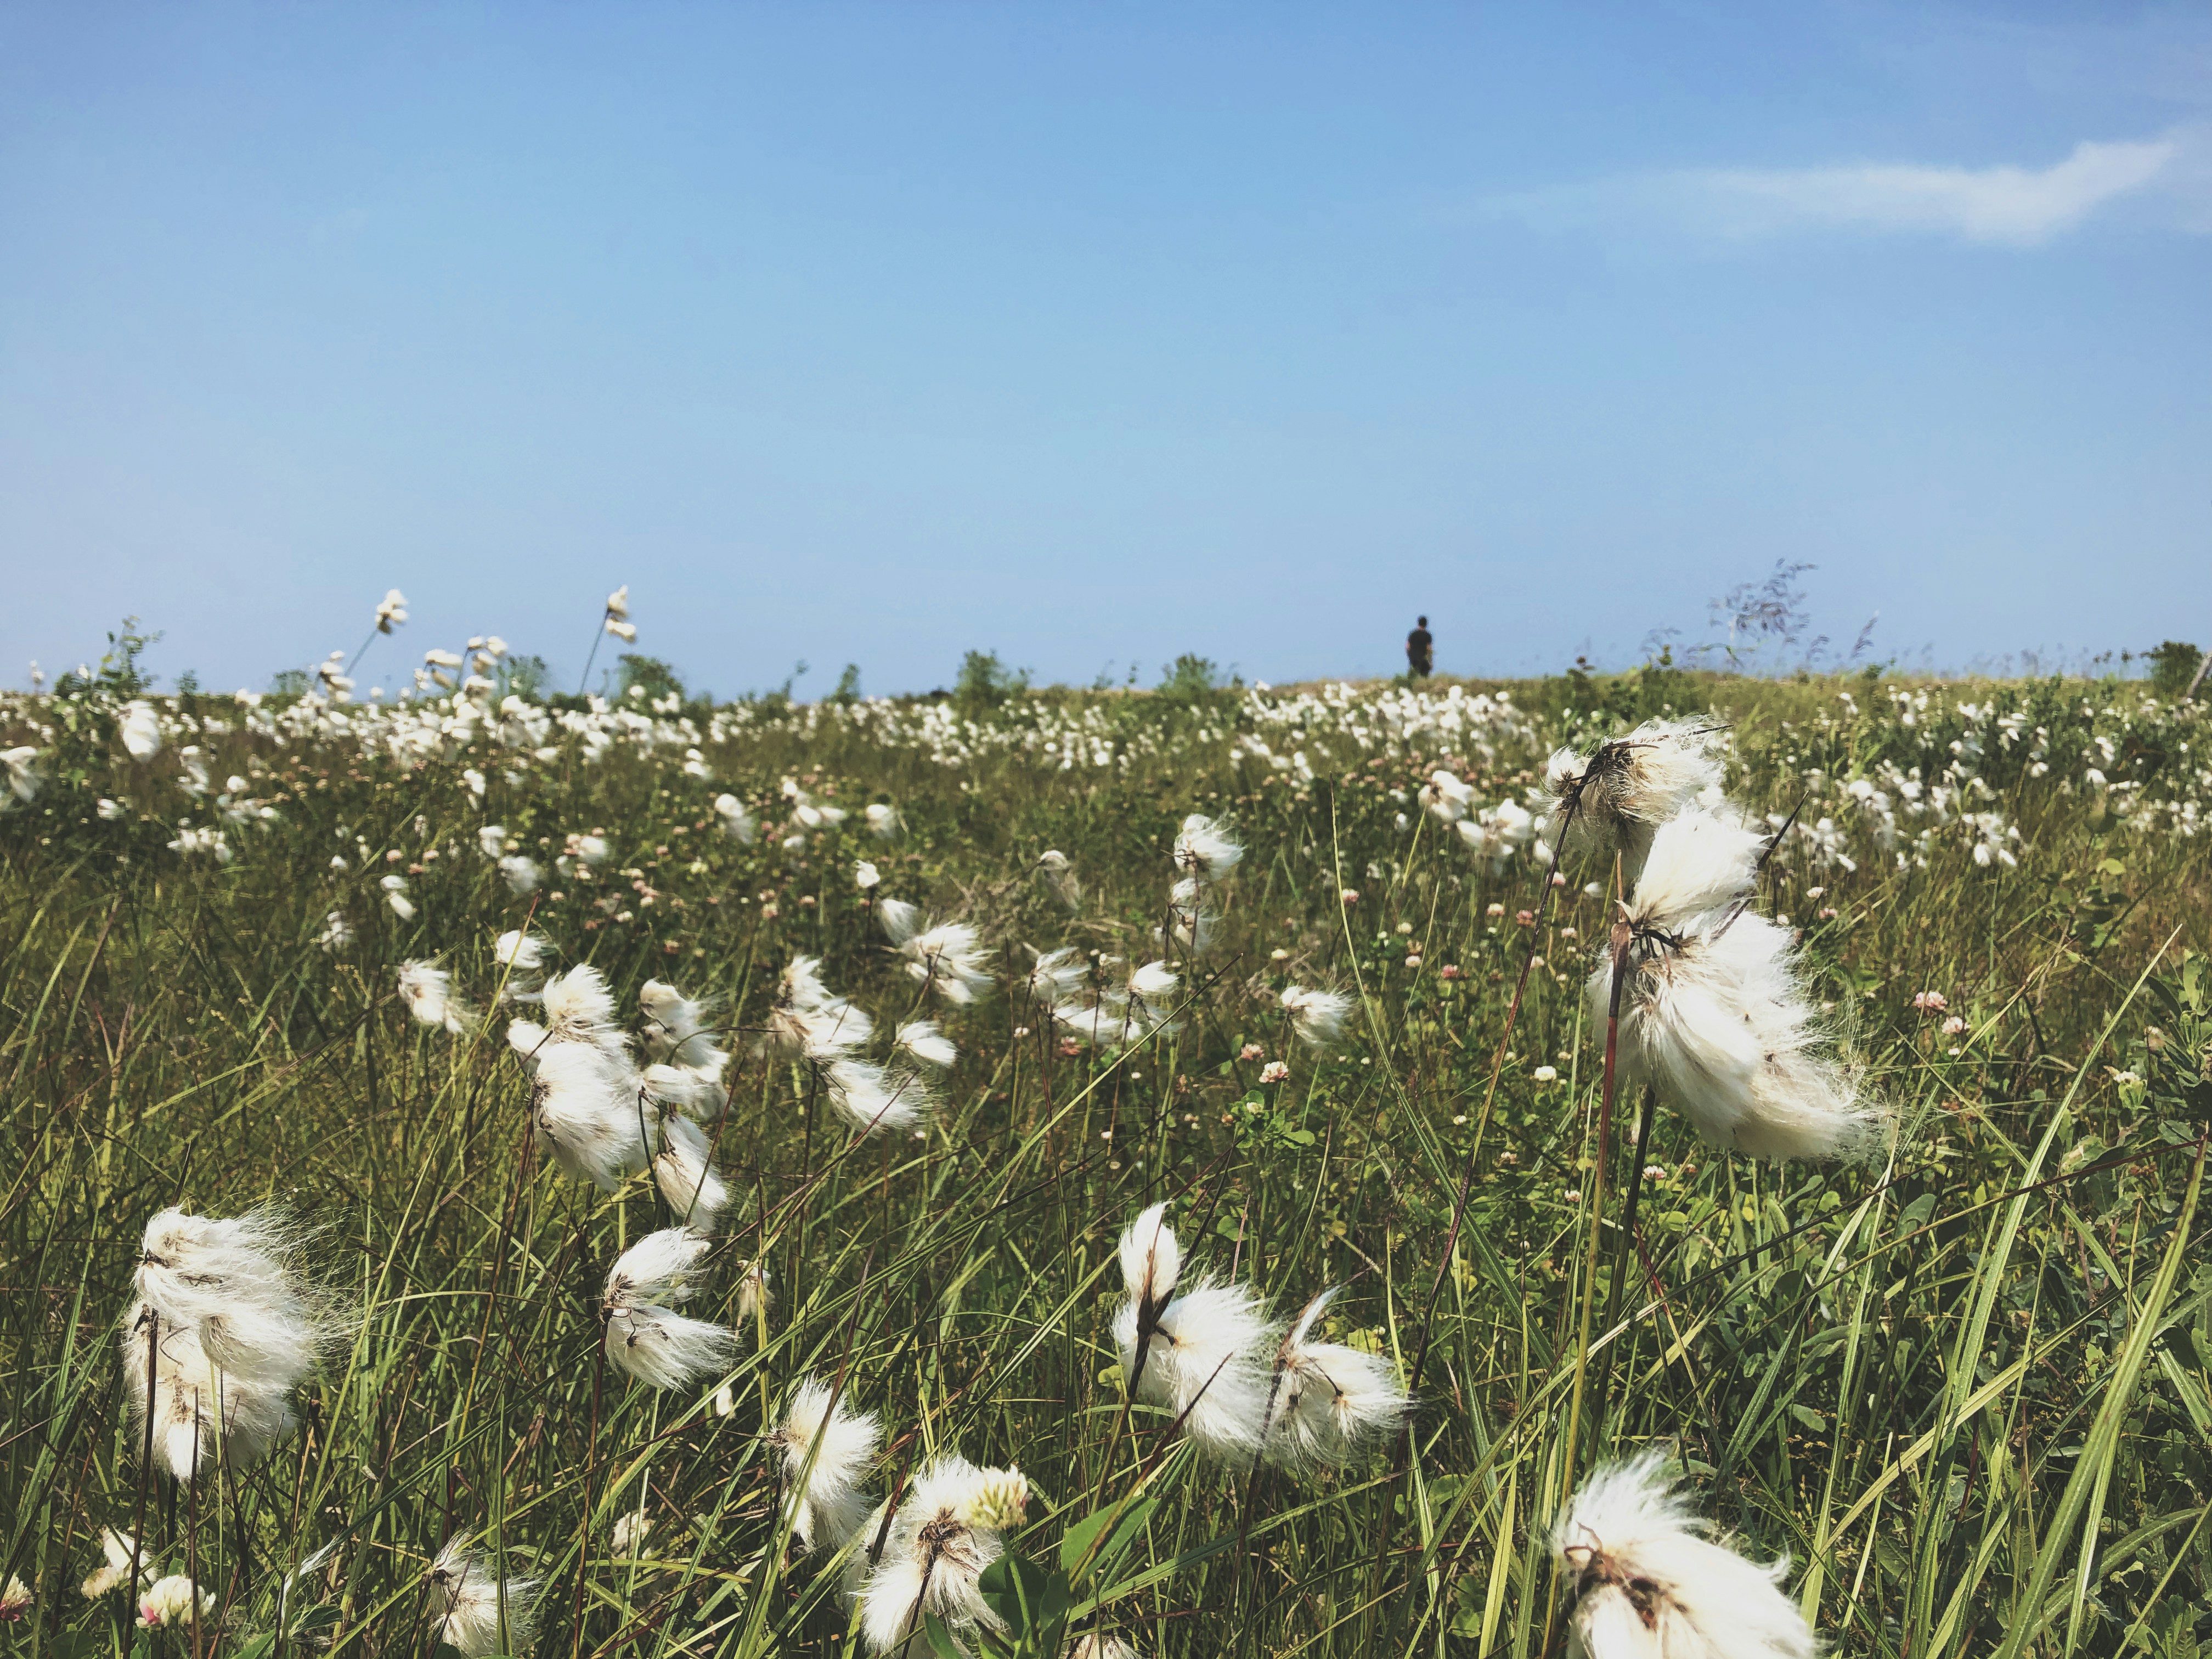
(1316, 1016)
(1204, 849)
(239, 1285)
(1647, 1581)
(899, 920)
(524, 952)
(1625, 789)
(1152, 1257)
(1698, 862)
(1331, 1403)
(470, 1602)
(922, 1039)
(204, 1417)
(1209, 1362)
(826, 1448)
(579, 1008)
(932, 1560)
(871, 1098)
(646, 1337)
(1716, 1020)
(429, 993)
(584, 1110)
(1057, 976)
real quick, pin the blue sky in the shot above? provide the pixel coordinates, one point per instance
(1094, 335)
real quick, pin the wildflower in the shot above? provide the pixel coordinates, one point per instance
(645, 1336)
(1251, 1051)
(883, 819)
(1713, 1013)
(15, 1598)
(1545, 1074)
(521, 871)
(940, 1543)
(1273, 1071)
(1350, 896)
(1153, 984)
(618, 602)
(492, 839)
(579, 1008)
(683, 1169)
(475, 781)
(865, 875)
(174, 1601)
(1446, 797)
(1450, 970)
(921, 1039)
(1954, 1025)
(524, 952)
(754, 1297)
(117, 1548)
(140, 728)
(809, 1021)
(428, 992)
(626, 632)
(477, 1612)
(1646, 1582)
(1930, 1002)
(826, 1448)
(338, 933)
(1202, 849)
(111, 811)
(592, 849)
(392, 612)
(1329, 1403)
(1317, 1016)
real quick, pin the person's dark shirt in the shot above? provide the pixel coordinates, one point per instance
(1419, 643)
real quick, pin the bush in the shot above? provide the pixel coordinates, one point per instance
(985, 682)
(2173, 666)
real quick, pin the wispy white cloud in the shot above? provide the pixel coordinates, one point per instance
(2016, 206)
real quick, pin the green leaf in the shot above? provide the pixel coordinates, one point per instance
(940, 1639)
(1075, 1548)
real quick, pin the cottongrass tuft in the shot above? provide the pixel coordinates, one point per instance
(428, 994)
(1204, 849)
(826, 1448)
(1624, 790)
(1317, 1016)
(1713, 1011)
(939, 1543)
(1206, 1348)
(1331, 1403)
(469, 1603)
(1647, 1586)
(645, 1337)
(921, 1039)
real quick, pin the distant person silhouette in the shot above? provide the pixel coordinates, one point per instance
(1421, 647)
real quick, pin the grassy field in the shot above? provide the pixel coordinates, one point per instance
(1965, 1387)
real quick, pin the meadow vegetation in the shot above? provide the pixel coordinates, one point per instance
(1965, 1385)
